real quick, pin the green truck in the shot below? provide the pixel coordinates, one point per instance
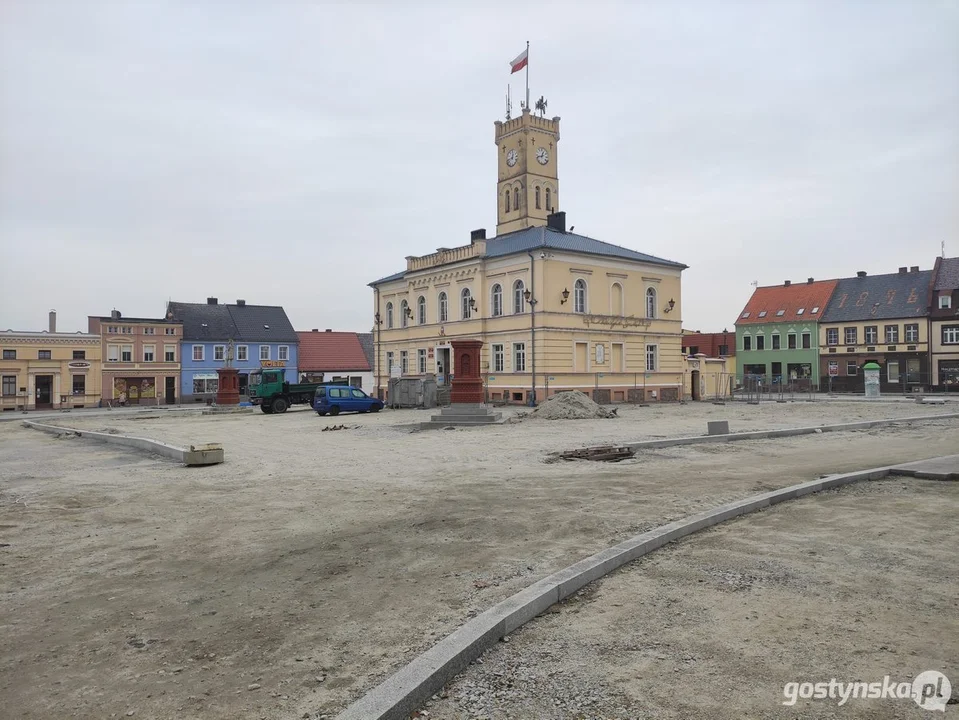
(274, 394)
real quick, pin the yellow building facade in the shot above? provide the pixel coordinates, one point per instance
(49, 370)
(555, 310)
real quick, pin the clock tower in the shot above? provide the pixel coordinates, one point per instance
(527, 188)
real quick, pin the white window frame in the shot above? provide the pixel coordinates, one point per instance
(950, 334)
(802, 340)
(651, 303)
(421, 361)
(168, 349)
(219, 353)
(519, 357)
(850, 331)
(496, 300)
(421, 311)
(865, 334)
(149, 331)
(169, 331)
(652, 358)
(269, 355)
(389, 362)
(945, 302)
(519, 302)
(404, 315)
(404, 361)
(443, 303)
(747, 340)
(580, 296)
(906, 333)
(389, 316)
(283, 353)
(777, 342)
(113, 353)
(126, 350)
(243, 350)
(760, 337)
(149, 350)
(466, 312)
(891, 330)
(889, 366)
(499, 359)
(832, 339)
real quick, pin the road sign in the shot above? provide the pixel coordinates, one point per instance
(833, 368)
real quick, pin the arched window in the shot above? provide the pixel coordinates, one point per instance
(404, 314)
(650, 303)
(537, 197)
(389, 315)
(579, 296)
(616, 300)
(516, 198)
(507, 199)
(465, 307)
(421, 310)
(519, 302)
(549, 202)
(444, 307)
(496, 300)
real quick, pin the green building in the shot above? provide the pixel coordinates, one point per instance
(777, 334)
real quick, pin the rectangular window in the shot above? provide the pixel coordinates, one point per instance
(945, 302)
(169, 331)
(149, 331)
(724, 349)
(284, 352)
(389, 362)
(113, 353)
(203, 386)
(892, 334)
(806, 341)
(197, 353)
(169, 353)
(912, 333)
(404, 361)
(127, 330)
(747, 342)
(219, 353)
(851, 367)
(44, 355)
(264, 352)
(498, 358)
(832, 336)
(777, 342)
(9, 354)
(126, 353)
(950, 334)
(79, 354)
(79, 385)
(872, 334)
(851, 335)
(892, 370)
(113, 329)
(421, 361)
(242, 353)
(519, 357)
(652, 361)
(9, 385)
(760, 342)
(149, 353)
(791, 341)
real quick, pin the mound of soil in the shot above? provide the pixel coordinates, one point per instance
(570, 405)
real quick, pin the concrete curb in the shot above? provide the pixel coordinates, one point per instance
(784, 432)
(408, 689)
(207, 454)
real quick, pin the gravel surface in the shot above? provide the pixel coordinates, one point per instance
(852, 584)
(313, 564)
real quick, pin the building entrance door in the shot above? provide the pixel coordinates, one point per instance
(170, 391)
(44, 392)
(443, 366)
(697, 390)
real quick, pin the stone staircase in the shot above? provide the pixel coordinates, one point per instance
(463, 415)
(442, 395)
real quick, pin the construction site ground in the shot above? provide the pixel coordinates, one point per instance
(310, 565)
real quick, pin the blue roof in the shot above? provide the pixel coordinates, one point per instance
(543, 237)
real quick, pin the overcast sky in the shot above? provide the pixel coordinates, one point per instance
(290, 152)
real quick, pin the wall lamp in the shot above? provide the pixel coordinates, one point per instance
(409, 312)
(670, 305)
(528, 296)
(472, 304)
(565, 296)
(377, 319)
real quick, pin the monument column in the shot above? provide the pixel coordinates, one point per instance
(228, 384)
(467, 382)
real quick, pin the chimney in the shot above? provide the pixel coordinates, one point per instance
(810, 281)
(241, 303)
(315, 330)
(557, 221)
(53, 321)
(211, 301)
(114, 314)
(329, 330)
(479, 234)
(787, 283)
(914, 268)
(861, 274)
(902, 271)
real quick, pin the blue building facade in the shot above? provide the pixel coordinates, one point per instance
(262, 336)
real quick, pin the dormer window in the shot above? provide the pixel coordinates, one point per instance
(762, 313)
(800, 311)
(780, 313)
(744, 315)
(814, 310)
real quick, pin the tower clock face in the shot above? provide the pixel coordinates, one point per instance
(542, 156)
(511, 157)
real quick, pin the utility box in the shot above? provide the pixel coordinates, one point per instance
(870, 373)
(412, 392)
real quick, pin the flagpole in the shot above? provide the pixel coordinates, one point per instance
(527, 74)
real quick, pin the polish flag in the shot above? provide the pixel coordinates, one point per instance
(520, 62)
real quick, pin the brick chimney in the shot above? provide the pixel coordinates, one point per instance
(211, 301)
(787, 283)
(53, 321)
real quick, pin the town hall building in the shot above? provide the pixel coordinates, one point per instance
(555, 310)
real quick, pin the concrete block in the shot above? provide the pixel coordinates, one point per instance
(717, 427)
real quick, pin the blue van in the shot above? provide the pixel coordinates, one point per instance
(334, 399)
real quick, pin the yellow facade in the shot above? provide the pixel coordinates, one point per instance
(528, 186)
(709, 378)
(42, 370)
(920, 339)
(605, 347)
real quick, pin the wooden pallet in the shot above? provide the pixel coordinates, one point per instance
(606, 453)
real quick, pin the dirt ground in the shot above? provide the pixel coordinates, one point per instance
(310, 565)
(854, 585)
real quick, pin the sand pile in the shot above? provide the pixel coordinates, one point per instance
(570, 405)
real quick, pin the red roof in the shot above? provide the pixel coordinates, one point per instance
(787, 303)
(325, 351)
